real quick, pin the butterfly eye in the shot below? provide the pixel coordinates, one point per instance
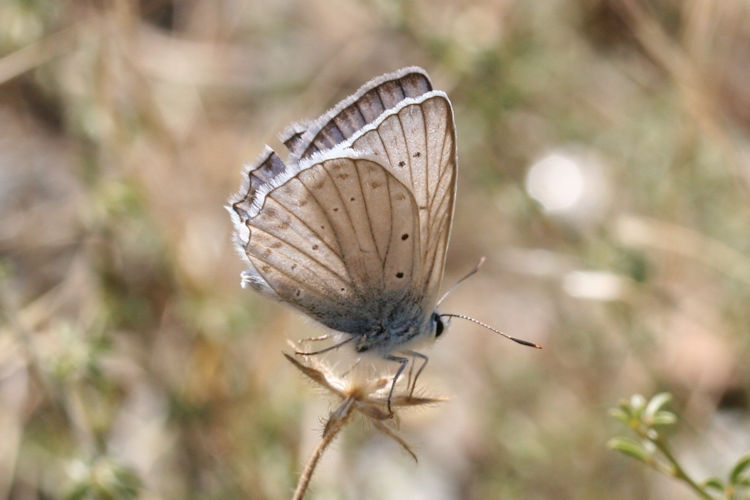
(439, 326)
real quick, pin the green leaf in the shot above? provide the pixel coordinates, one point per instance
(625, 408)
(619, 414)
(637, 403)
(738, 470)
(714, 483)
(663, 418)
(78, 491)
(652, 434)
(650, 447)
(656, 404)
(629, 447)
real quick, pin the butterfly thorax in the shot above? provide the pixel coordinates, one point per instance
(398, 324)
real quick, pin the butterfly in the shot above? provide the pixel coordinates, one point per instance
(353, 228)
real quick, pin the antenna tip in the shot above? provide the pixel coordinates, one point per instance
(526, 343)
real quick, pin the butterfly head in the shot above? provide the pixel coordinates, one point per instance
(438, 325)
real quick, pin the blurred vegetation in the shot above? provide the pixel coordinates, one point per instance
(133, 366)
(647, 419)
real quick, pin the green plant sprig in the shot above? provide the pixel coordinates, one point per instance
(647, 418)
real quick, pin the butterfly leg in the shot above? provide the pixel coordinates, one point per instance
(403, 362)
(321, 351)
(354, 365)
(314, 339)
(410, 373)
(415, 355)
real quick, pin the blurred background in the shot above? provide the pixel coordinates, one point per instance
(604, 155)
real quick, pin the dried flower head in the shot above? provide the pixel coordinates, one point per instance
(369, 397)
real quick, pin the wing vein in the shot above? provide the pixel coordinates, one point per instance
(348, 215)
(323, 241)
(390, 228)
(367, 212)
(401, 88)
(445, 141)
(435, 194)
(382, 104)
(443, 167)
(340, 252)
(331, 225)
(408, 158)
(387, 154)
(356, 107)
(431, 260)
(426, 158)
(281, 271)
(345, 280)
(343, 203)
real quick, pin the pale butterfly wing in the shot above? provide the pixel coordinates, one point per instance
(355, 112)
(398, 117)
(418, 140)
(338, 240)
(354, 229)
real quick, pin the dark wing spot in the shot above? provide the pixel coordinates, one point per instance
(399, 275)
(404, 236)
(351, 199)
(417, 154)
(335, 209)
(298, 292)
(401, 163)
(375, 184)
(315, 247)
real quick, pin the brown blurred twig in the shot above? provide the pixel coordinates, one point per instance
(652, 233)
(695, 82)
(336, 422)
(31, 56)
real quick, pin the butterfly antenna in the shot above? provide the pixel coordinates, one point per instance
(468, 275)
(514, 339)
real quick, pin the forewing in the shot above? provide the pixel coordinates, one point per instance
(336, 239)
(417, 141)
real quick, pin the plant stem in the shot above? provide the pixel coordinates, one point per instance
(678, 471)
(336, 422)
